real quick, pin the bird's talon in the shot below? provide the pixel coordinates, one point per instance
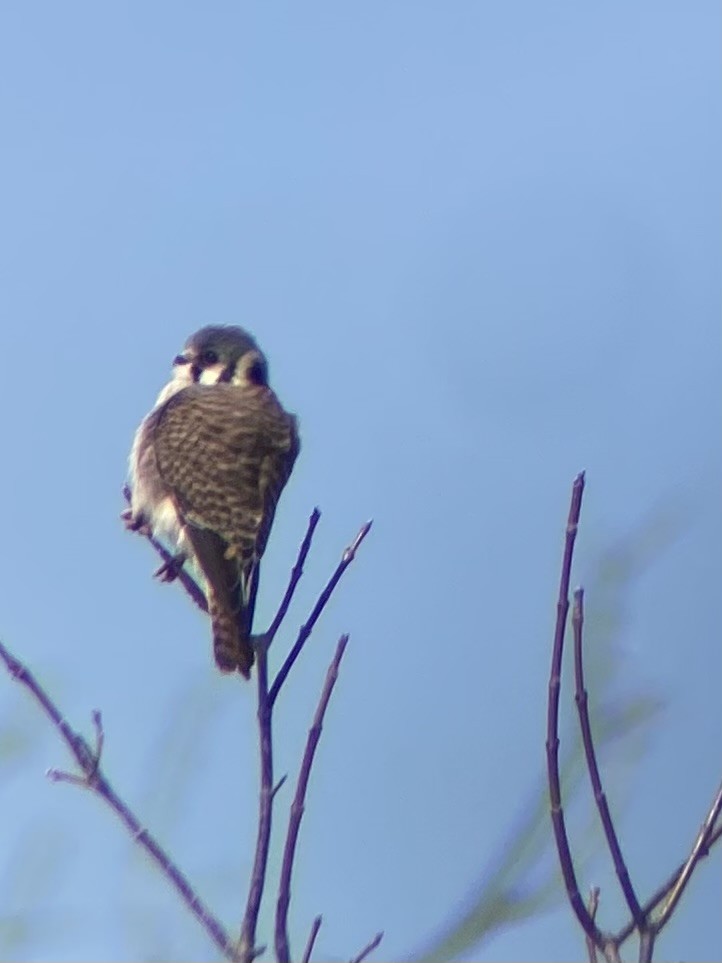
(170, 570)
(135, 523)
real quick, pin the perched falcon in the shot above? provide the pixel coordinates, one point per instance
(207, 467)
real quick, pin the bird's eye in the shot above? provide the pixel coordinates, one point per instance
(209, 357)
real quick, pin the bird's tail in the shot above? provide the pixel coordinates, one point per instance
(231, 643)
(231, 597)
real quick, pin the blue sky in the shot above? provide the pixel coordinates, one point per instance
(480, 245)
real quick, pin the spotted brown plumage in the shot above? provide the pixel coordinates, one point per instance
(207, 468)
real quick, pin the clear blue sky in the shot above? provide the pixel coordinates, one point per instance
(480, 244)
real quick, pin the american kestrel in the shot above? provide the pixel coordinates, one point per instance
(207, 467)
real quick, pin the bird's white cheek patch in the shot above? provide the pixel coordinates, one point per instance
(212, 375)
(181, 379)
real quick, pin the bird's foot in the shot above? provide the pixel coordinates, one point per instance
(170, 570)
(135, 523)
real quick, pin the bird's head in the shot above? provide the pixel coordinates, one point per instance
(217, 354)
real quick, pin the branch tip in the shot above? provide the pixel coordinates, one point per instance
(297, 806)
(351, 550)
(368, 949)
(315, 927)
(279, 784)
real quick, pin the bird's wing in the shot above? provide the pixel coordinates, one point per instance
(225, 453)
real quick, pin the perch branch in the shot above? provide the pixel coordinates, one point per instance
(283, 954)
(266, 700)
(93, 779)
(170, 563)
(247, 940)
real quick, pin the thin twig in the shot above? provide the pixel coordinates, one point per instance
(96, 781)
(665, 888)
(296, 573)
(592, 906)
(647, 938)
(283, 954)
(701, 843)
(247, 940)
(346, 559)
(193, 589)
(266, 700)
(315, 927)
(368, 949)
(279, 785)
(600, 798)
(552, 745)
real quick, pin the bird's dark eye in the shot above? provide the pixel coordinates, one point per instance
(181, 359)
(209, 357)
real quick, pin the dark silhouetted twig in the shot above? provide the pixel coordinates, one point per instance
(701, 844)
(647, 938)
(283, 954)
(315, 927)
(552, 745)
(592, 905)
(296, 573)
(368, 949)
(642, 920)
(266, 700)
(93, 779)
(666, 888)
(279, 785)
(247, 940)
(346, 559)
(600, 798)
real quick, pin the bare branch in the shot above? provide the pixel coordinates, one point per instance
(247, 940)
(666, 888)
(599, 796)
(552, 745)
(700, 848)
(305, 631)
(592, 906)
(647, 939)
(94, 780)
(283, 954)
(266, 700)
(315, 927)
(368, 949)
(279, 785)
(296, 573)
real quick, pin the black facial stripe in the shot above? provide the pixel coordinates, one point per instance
(195, 372)
(257, 373)
(227, 373)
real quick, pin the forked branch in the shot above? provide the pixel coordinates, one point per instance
(93, 778)
(647, 927)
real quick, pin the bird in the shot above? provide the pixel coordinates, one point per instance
(206, 469)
